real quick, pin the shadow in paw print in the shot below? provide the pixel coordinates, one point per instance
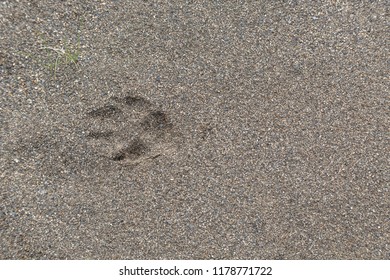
(100, 134)
(136, 102)
(107, 111)
(136, 149)
(156, 120)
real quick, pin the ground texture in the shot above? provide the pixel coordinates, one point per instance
(194, 129)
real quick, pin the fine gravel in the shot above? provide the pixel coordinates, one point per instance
(194, 129)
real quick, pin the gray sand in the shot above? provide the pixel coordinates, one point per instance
(194, 129)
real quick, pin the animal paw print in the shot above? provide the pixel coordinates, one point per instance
(130, 130)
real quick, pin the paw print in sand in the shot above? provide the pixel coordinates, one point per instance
(130, 131)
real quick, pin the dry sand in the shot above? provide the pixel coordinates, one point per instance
(194, 129)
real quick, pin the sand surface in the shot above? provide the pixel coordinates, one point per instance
(194, 129)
